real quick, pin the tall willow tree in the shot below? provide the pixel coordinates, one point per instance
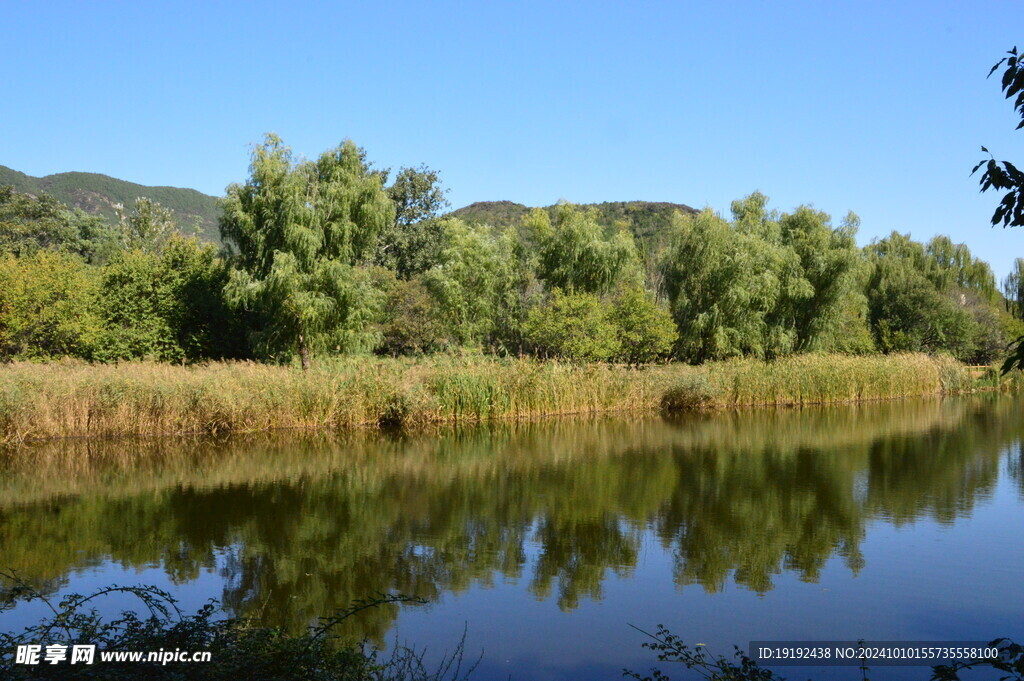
(722, 283)
(829, 260)
(300, 231)
(576, 256)
(478, 281)
(952, 265)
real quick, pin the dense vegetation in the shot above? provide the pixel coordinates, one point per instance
(324, 257)
(75, 399)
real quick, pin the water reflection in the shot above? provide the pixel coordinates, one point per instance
(299, 525)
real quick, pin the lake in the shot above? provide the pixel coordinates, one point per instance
(543, 542)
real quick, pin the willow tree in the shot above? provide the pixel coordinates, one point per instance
(721, 283)
(829, 262)
(952, 265)
(300, 231)
(575, 254)
(478, 281)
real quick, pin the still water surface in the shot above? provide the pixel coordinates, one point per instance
(544, 541)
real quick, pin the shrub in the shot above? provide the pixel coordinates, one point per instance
(168, 306)
(572, 326)
(48, 307)
(645, 331)
(689, 392)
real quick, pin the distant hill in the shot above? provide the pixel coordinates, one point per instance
(649, 221)
(98, 194)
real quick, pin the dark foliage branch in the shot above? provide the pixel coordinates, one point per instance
(1005, 177)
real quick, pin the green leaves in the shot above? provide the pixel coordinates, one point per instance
(302, 231)
(722, 283)
(582, 327)
(575, 254)
(1003, 175)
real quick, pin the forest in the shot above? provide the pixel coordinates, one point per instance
(332, 256)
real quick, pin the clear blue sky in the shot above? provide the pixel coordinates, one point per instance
(878, 107)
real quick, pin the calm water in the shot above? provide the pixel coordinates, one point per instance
(545, 541)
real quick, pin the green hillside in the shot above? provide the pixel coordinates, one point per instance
(95, 193)
(647, 220)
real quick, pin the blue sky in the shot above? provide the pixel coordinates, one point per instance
(876, 107)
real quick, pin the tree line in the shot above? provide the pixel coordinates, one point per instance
(332, 256)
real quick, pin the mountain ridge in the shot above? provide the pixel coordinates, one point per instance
(98, 194)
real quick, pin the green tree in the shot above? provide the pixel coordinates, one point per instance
(721, 284)
(193, 278)
(477, 281)
(148, 226)
(645, 331)
(828, 259)
(934, 297)
(168, 306)
(412, 243)
(413, 321)
(575, 254)
(301, 231)
(418, 195)
(907, 311)
(952, 265)
(1013, 289)
(134, 304)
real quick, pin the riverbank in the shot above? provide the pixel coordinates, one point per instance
(75, 399)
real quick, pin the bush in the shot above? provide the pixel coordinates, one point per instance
(690, 392)
(645, 331)
(48, 307)
(169, 306)
(572, 326)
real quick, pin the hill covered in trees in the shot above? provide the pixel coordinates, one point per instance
(99, 194)
(649, 221)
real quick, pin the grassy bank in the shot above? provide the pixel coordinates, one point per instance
(70, 399)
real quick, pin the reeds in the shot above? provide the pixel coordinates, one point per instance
(76, 399)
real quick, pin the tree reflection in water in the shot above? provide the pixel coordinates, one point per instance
(300, 525)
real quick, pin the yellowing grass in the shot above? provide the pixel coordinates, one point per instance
(74, 399)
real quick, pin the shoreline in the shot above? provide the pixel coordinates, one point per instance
(77, 400)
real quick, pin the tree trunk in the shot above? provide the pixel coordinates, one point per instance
(303, 353)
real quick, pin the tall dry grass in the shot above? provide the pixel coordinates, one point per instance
(76, 399)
